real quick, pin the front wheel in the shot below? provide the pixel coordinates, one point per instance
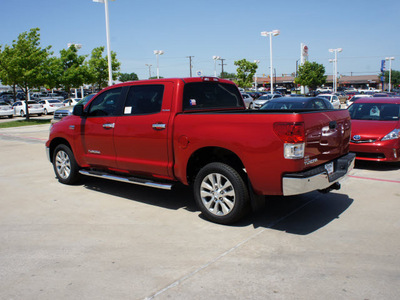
(65, 166)
(251, 105)
(221, 193)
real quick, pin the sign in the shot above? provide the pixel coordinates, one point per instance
(383, 68)
(199, 73)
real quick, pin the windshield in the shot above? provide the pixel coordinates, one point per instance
(86, 99)
(374, 111)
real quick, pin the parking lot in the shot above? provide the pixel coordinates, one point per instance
(109, 240)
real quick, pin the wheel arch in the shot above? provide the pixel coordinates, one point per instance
(53, 145)
(204, 156)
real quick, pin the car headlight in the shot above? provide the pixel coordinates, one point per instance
(394, 134)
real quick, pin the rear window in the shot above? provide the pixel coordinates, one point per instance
(211, 95)
(375, 111)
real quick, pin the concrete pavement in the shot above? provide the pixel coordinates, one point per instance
(109, 240)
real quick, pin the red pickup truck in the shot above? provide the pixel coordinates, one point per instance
(197, 131)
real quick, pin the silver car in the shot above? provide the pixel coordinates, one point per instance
(264, 99)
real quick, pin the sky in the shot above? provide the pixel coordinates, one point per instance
(366, 30)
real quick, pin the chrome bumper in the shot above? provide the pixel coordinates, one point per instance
(317, 178)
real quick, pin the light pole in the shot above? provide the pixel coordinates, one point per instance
(270, 34)
(255, 76)
(108, 40)
(390, 70)
(149, 70)
(158, 53)
(335, 77)
(333, 73)
(215, 58)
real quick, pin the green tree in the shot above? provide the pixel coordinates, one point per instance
(8, 73)
(124, 77)
(27, 62)
(98, 67)
(72, 69)
(311, 74)
(245, 73)
(227, 75)
(394, 79)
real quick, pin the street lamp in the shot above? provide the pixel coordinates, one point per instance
(158, 53)
(270, 34)
(333, 72)
(215, 58)
(255, 76)
(335, 75)
(149, 70)
(390, 70)
(108, 40)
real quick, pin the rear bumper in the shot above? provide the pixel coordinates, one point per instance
(317, 178)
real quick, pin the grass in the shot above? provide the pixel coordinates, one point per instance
(20, 123)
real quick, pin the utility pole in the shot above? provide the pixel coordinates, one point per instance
(222, 64)
(190, 62)
(149, 70)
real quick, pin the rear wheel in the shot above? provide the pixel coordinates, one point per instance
(65, 166)
(22, 113)
(221, 193)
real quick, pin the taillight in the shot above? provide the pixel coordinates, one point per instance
(290, 132)
(293, 137)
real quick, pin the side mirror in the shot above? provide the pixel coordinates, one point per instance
(78, 110)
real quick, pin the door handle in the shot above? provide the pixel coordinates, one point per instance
(109, 125)
(159, 126)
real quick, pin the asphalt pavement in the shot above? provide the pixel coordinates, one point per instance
(109, 240)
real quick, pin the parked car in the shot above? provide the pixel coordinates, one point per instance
(67, 110)
(357, 97)
(375, 129)
(300, 103)
(34, 108)
(247, 99)
(71, 101)
(332, 99)
(6, 110)
(8, 98)
(49, 106)
(263, 99)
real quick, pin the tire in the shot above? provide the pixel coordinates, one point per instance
(10, 116)
(45, 112)
(22, 114)
(221, 193)
(65, 166)
(251, 105)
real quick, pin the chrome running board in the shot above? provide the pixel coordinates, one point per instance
(132, 180)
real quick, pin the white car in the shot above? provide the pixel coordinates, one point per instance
(263, 99)
(49, 106)
(247, 99)
(6, 110)
(71, 101)
(332, 99)
(33, 107)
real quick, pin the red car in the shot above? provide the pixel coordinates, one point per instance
(375, 133)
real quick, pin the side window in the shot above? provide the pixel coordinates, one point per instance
(144, 99)
(319, 104)
(105, 104)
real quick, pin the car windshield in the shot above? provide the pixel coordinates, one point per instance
(54, 101)
(86, 99)
(325, 97)
(265, 97)
(285, 105)
(375, 111)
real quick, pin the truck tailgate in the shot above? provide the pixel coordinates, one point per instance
(327, 136)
